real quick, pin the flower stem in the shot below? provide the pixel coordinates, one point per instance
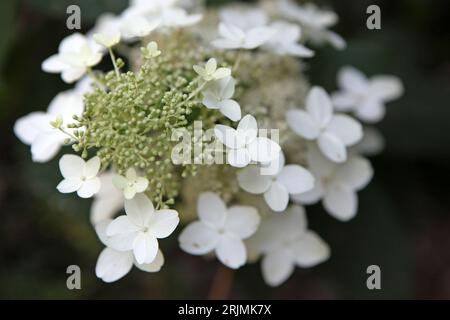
(68, 134)
(222, 283)
(192, 95)
(113, 59)
(237, 61)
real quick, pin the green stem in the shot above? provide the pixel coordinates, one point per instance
(192, 95)
(113, 59)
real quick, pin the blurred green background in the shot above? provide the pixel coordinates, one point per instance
(403, 224)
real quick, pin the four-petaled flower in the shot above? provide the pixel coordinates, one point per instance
(211, 72)
(365, 97)
(151, 50)
(107, 39)
(220, 230)
(140, 228)
(218, 94)
(232, 37)
(276, 187)
(244, 145)
(130, 184)
(333, 132)
(79, 175)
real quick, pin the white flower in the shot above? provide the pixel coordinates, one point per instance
(140, 228)
(220, 230)
(151, 50)
(177, 17)
(286, 180)
(108, 25)
(211, 72)
(107, 40)
(243, 17)
(113, 264)
(233, 37)
(35, 129)
(79, 175)
(244, 145)
(336, 184)
(333, 132)
(137, 26)
(107, 201)
(371, 144)
(75, 55)
(286, 242)
(285, 40)
(130, 184)
(365, 97)
(218, 95)
(315, 22)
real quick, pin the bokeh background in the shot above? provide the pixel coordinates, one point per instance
(403, 224)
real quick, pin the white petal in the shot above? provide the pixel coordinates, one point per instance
(238, 158)
(89, 188)
(251, 180)
(92, 167)
(27, 128)
(164, 223)
(340, 201)
(121, 233)
(352, 79)
(228, 136)
(105, 207)
(356, 172)
(69, 185)
(310, 197)
(371, 111)
(129, 192)
(210, 101)
(310, 250)
(242, 221)
(46, 146)
(319, 106)
(386, 87)
(211, 209)
(73, 74)
(344, 100)
(119, 182)
(145, 248)
(53, 64)
(332, 147)
(347, 129)
(277, 267)
(211, 66)
(221, 73)
(71, 166)
(113, 265)
(198, 239)
(100, 229)
(230, 109)
(277, 197)
(154, 266)
(302, 124)
(319, 164)
(231, 252)
(140, 210)
(141, 184)
(264, 150)
(248, 127)
(296, 179)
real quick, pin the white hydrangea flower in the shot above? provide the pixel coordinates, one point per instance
(285, 242)
(130, 184)
(210, 71)
(75, 55)
(218, 94)
(315, 22)
(108, 201)
(35, 129)
(79, 176)
(107, 40)
(113, 264)
(140, 228)
(276, 187)
(244, 145)
(137, 26)
(233, 37)
(177, 17)
(244, 17)
(365, 97)
(220, 230)
(336, 184)
(151, 50)
(333, 132)
(285, 40)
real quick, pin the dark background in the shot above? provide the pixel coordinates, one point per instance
(403, 224)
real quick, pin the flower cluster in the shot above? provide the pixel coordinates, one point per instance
(168, 73)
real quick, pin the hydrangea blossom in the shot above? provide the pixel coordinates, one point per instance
(244, 145)
(75, 55)
(336, 184)
(333, 132)
(276, 187)
(220, 230)
(232, 37)
(108, 201)
(365, 97)
(130, 184)
(210, 71)
(218, 95)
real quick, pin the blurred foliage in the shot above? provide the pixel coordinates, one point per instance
(403, 222)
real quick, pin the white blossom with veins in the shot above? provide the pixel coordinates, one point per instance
(79, 176)
(75, 55)
(276, 187)
(108, 201)
(285, 40)
(210, 71)
(244, 145)
(220, 230)
(140, 228)
(336, 184)
(363, 96)
(218, 94)
(113, 264)
(333, 132)
(130, 184)
(285, 242)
